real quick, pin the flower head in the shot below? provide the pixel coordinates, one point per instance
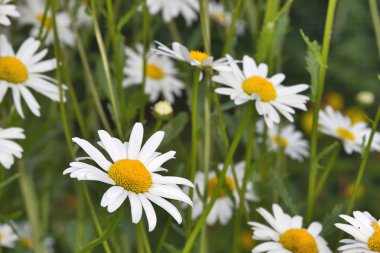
(286, 234)
(365, 97)
(223, 17)
(6, 10)
(7, 236)
(24, 70)
(132, 173)
(162, 110)
(8, 148)
(269, 94)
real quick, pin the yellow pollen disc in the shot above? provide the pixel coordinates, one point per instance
(282, 142)
(345, 134)
(1, 237)
(220, 18)
(47, 22)
(155, 72)
(198, 55)
(374, 240)
(214, 181)
(298, 241)
(132, 175)
(12, 70)
(261, 87)
(26, 243)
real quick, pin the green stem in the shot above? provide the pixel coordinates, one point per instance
(363, 164)
(376, 21)
(194, 233)
(231, 30)
(163, 237)
(175, 34)
(143, 237)
(313, 170)
(106, 67)
(327, 171)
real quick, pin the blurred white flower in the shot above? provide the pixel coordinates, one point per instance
(7, 236)
(25, 238)
(132, 174)
(224, 18)
(23, 70)
(6, 10)
(9, 148)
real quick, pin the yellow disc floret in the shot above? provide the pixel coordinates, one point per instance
(345, 134)
(280, 141)
(374, 240)
(47, 20)
(261, 87)
(298, 241)
(198, 56)
(26, 243)
(214, 181)
(13, 70)
(155, 72)
(132, 175)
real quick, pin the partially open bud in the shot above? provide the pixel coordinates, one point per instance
(162, 110)
(365, 97)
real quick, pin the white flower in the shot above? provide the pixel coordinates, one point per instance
(223, 17)
(288, 138)
(365, 97)
(7, 236)
(162, 110)
(6, 10)
(160, 74)
(9, 148)
(82, 18)
(173, 8)
(269, 94)
(32, 14)
(132, 174)
(24, 69)
(365, 231)
(224, 206)
(25, 238)
(193, 57)
(285, 234)
(337, 125)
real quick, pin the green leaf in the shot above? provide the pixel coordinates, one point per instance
(175, 127)
(265, 41)
(327, 150)
(280, 187)
(331, 218)
(314, 61)
(9, 180)
(171, 249)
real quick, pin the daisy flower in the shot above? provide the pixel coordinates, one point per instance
(269, 94)
(24, 69)
(193, 57)
(25, 238)
(82, 18)
(6, 10)
(8, 148)
(171, 9)
(160, 74)
(288, 138)
(132, 173)
(364, 229)
(335, 124)
(224, 206)
(32, 14)
(7, 236)
(223, 17)
(285, 234)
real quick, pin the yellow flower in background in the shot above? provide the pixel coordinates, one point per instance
(335, 100)
(246, 240)
(356, 114)
(349, 189)
(307, 121)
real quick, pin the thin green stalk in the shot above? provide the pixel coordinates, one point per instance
(143, 237)
(313, 170)
(175, 34)
(205, 20)
(363, 164)
(157, 126)
(163, 237)
(376, 21)
(106, 67)
(194, 233)
(327, 171)
(231, 30)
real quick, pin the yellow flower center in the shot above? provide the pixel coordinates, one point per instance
(131, 174)
(12, 70)
(26, 243)
(260, 86)
(219, 17)
(298, 241)
(198, 56)
(1, 237)
(47, 22)
(374, 240)
(155, 72)
(282, 142)
(345, 134)
(214, 181)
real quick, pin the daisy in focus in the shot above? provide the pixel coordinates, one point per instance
(269, 94)
(285, 234)
(287, 138)
(7, 236)
(160, 74)
(171, 9)
(8, 148)
(132, 173)
(224, 206)
(33, 14)
(6, 10)
(193, 57)
(364, 229)
(335, 124)
(23, 70)
(223, 17)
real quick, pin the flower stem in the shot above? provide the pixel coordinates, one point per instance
(231, 30)
(376, 21)
(363, 164)
(313, 170)
(143, 237)
(146, 28)
(194, 233)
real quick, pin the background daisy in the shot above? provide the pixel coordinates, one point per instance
(6, 10)
(24, 69)
(8, 148)
(160, 74)
(132, 174)
(223, 17)
(7, 236)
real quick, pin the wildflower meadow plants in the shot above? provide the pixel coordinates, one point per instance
(157, 126)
